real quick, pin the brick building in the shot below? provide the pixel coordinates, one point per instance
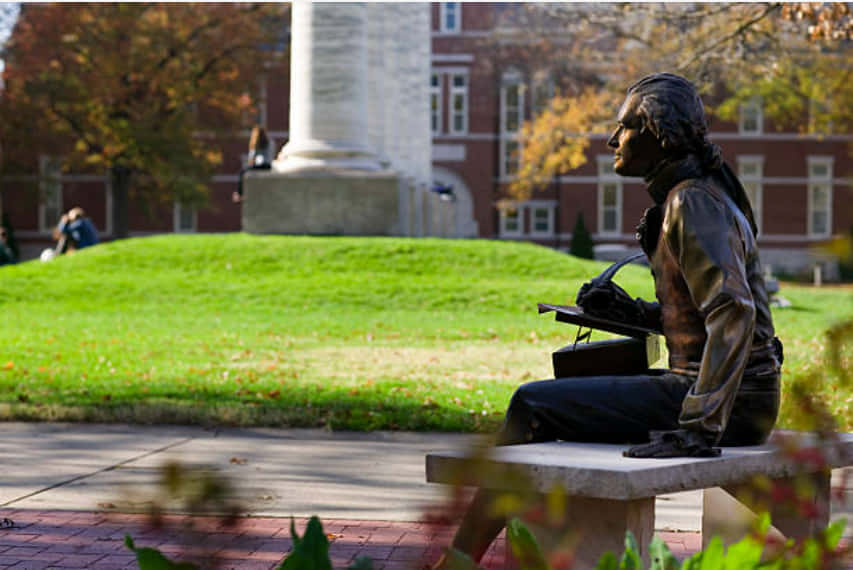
(798, 183)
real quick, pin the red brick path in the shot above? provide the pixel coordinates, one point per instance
(70, 539)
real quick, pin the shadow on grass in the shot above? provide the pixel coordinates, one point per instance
(349, 414)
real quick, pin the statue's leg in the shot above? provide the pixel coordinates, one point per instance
(479, 526)
(602, 409)
(618, 409)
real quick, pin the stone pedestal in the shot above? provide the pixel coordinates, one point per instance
(591, 527)
(730, 512)
(358, 158)
(327, 202)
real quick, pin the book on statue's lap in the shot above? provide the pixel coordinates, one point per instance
(632, 354)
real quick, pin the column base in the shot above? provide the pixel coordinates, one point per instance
(323, 202)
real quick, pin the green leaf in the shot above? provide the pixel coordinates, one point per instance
(293, 535)
(524, 546)
(713, 555)
(153, 559)
(608, 561)
(458, 560)
(694, 562)
(361, 563)
(833, 533)
(631, 559)
(311, 552)
(811, 556)
(743, 554)
(661, 557)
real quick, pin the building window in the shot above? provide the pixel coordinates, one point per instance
(186, 218)
(50, 192)
(435, 102)
(751, 118)
(819, 118)
(543, 91)
(511, 117)
(451, 17)
(820, 196)
(538, 213)
(541, 220)
(458, 103)
(609, 197)
(751, 171)
(510, 159)
(510, 223)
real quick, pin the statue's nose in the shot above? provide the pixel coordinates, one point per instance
(613, 141)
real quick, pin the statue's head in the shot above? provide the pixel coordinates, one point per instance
(671, 109)
(662, 117)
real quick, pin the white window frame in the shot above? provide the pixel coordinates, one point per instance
(608, 177)
(453, 92)
(814, 182)
(435, 92)
(753, 105)
(504, 231)
(547, 205)
(506, 156)
(511, 78)
(542, 81)
(176, 220)
(457, 12)
(754, 179)
(527, 215)
(50, 183)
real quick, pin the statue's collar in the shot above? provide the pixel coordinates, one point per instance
(669, 173)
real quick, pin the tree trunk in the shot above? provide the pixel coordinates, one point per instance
(120, 180)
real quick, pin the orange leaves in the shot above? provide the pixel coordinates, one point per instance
(555, 142)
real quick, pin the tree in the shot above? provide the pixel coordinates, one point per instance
(796, 57)
(141, 91)
(582, 245)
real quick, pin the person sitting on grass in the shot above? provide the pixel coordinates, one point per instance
(76, 231)
(260, 158)
(7, 255)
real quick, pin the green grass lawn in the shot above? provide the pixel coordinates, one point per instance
(349, 333)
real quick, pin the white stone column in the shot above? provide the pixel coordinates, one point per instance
(421, 49)
(423, 129)
(379, 78)
(328, 89)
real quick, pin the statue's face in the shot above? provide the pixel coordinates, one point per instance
(636, 151)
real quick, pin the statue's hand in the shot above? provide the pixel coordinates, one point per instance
(675, 443)
(609, 301)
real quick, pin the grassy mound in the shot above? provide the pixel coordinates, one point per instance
(358, 333)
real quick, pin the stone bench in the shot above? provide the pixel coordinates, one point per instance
(609, 494)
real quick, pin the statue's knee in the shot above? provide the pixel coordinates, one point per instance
(521, 425)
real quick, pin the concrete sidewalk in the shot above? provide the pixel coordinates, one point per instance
(69, 487)
(278, 473)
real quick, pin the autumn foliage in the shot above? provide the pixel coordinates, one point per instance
(140, 91)
(795, 57)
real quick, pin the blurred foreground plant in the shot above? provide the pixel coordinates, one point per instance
(208, 499)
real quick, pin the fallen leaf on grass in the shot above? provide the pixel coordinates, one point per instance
(9, 365)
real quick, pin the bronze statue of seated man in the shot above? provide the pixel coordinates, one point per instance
(722, 384)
